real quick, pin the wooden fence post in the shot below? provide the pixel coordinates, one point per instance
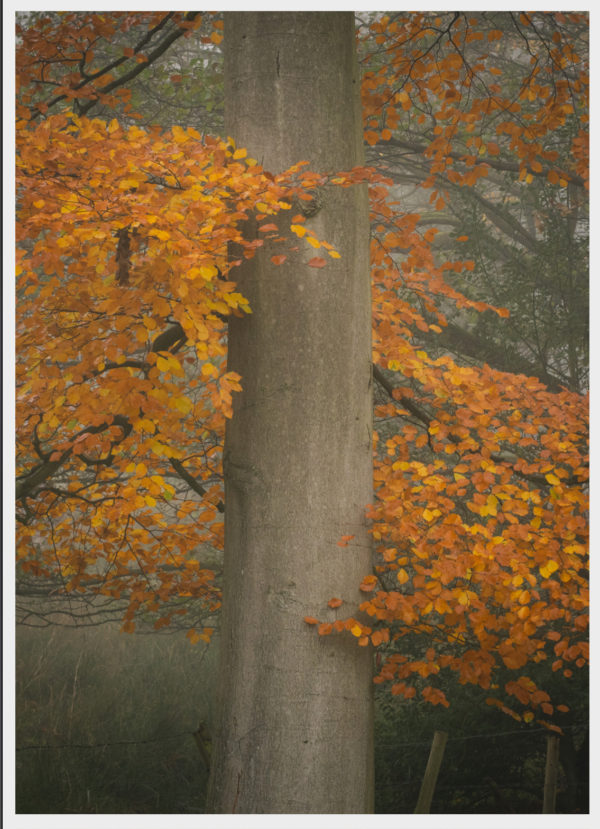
(551, 776)
(431, 773)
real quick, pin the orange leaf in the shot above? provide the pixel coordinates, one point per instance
(368, 584)
(335, 602)
(317, 262)
(344, 540)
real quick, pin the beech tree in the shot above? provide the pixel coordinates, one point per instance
(140, 247)
(297, 463)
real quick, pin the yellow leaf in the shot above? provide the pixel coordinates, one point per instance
(179, 135)
(356, 630)
(160, 234)
(402, 576)
(492, 505)
(209, 370)
(552, 479)
(298, 230)
(144, 425)
(183, 404)
(548, 568)
(208, 271)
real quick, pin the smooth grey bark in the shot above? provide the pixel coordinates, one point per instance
(294, 733)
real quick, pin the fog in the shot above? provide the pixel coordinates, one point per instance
(105, 720)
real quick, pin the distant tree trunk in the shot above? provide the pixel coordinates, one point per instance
(295, 730)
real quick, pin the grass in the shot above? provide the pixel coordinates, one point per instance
(136, 698)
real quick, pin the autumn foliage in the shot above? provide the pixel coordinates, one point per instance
(125, 281)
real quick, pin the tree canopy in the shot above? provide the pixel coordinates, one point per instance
(128, 239)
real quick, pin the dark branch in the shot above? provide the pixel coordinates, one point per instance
(140, 67)
(170, 340)
(495, 164)
(161, 47)
(468, 344)
(45, 470)
(195, 485)
(408, 404)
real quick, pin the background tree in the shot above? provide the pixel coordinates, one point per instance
(453, 155)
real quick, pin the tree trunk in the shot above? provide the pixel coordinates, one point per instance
(295, 729)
